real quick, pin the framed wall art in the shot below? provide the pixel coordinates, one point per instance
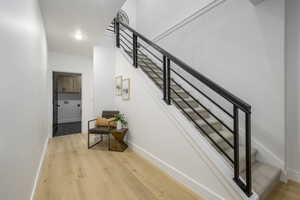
(119, 81)
(126, 89)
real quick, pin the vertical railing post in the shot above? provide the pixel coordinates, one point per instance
(168, 81)
(117, 34)
(165, 78)
(236, 143)
(248, 154)
(135, 51)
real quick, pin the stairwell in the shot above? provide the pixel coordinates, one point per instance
(264, 176)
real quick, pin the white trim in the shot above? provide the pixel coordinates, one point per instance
(256, 2)
(293, 175)
(37, 176)
(189, 18)
(200, 189)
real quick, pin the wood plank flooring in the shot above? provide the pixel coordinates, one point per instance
(72, 172)
(289, 191)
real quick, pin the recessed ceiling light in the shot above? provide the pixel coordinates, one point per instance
(79, 35)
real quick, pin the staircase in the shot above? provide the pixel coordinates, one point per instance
(176, 80)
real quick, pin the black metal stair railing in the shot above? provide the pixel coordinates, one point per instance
(167, 79)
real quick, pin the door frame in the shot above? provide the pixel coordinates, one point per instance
(54, 96)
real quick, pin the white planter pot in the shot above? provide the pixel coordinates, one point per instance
(119, 125)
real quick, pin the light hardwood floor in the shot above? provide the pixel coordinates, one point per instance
(289, 191)
(72, 172)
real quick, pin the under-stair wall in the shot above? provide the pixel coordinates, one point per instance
(161, 134)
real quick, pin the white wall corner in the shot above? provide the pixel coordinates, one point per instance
(256, 2)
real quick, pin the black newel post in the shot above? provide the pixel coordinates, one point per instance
(248, 155)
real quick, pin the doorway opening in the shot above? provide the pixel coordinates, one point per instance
(66, 103)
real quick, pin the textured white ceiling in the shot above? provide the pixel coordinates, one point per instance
(63, 17)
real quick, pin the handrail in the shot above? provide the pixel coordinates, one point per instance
(209, 83)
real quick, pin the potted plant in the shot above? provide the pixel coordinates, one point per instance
(121, 122)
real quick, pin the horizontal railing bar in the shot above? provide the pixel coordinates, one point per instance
(126, 39)
(203, 106)
(216, 144)
(126, 44)
(126, 33)
(192, 118)
(142, 53)
(217, 118)
(152, 71)
(211, 126)
(207, 135)
(198, 90)
(151, 53)
(215, 87)
(208, 110)
(125, 49)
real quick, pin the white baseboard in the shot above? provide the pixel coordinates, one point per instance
(39, 169)
(196, 187)
(293, 175)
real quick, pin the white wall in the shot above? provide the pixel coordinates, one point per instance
(236, 44)
(104, 69)
(292, 88)
(162, 139)
(23, 61)
(130, 8)
(155, 16)
(60, 62)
